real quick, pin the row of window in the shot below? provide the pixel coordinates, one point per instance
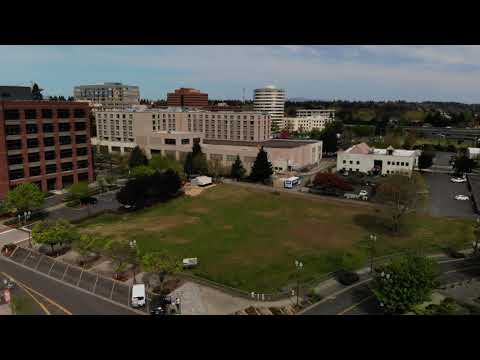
(48, 155)
(14, 114)
(117, 116)
(49, 169)
(46, 128)
(49, 141)
(399, 163)
(183, 141)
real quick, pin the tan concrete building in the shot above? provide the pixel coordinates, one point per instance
(121, 125)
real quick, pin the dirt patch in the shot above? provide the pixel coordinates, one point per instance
(196, 190)
(228, 227)
(200, 210)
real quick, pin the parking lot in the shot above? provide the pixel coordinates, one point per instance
(9, 235)
(73, 275)
(442, 197)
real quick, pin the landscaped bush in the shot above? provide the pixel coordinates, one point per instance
(328, 180)
(348, 278)
(73, 203)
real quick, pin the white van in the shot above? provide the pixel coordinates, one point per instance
(138, 295)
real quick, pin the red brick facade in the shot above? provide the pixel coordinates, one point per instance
(186, 97)
(17, 116)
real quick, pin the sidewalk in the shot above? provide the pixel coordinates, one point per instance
(5, 309)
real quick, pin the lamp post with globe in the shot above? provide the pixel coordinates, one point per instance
(299, 267)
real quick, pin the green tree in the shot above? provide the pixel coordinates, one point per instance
(25, 197)
(196, 161)
(238, 171)
(137, 158)
(425, 160)
(329, 136)
(262, 168)
(463, 164)
(161, 263)
(404, 283)
(37, 92)
(122, 252)
(163, 163)
(275, 128)
(54, 233)
(401, 195)
(141, 171)
(79, 191)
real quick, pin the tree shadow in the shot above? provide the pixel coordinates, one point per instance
(374, 223)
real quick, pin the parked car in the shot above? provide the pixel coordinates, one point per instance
(189, 263)
(461, 197)
(159, 305)
(458, 179)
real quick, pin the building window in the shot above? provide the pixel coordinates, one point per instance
(35, 171)
(66, 153)
(398, 163)
(49, 155)
(358, 162)
(216, 157)
(79, 113)
(82, 151)
(30, 114)
(63, 127)
(170, 141)
(231, 157)
(13, 129)
(63, 113)
(33, 157)
(65, 140)
(402, 163)
(80, 139)
(67, 166)
(82, 164)
(15, 159)
(51, 168)
(12, 114)
(49, 141)
(48, 128)
(47, 113)
(79, 126)
(388, 162)
(32, 143)
(351, 162)
(16, 174)
(406, 164)
(185, 141)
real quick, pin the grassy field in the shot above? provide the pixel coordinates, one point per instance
(250, 239)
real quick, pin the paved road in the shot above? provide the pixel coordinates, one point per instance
(71, 299)
(9, 235)
(106, 201)
(358, 299)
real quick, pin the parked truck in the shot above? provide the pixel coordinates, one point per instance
(362, 195)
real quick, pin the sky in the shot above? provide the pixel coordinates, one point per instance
(327, 72)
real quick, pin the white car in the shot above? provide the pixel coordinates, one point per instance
(458, 180)
(461, 197)
(363, 193)
(189, 263)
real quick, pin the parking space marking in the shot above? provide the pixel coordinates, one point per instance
(26, 257)
(80, 278)
(7, 231)
(113, 287)
(65, 272)
(51, 267)
(39, 261)
(95, 285)
(350, 308)
(14, 250)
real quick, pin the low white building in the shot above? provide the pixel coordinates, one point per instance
(362, 158)
(473, 153)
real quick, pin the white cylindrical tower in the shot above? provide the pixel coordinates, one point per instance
(271, 100)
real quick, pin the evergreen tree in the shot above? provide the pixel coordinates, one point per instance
(188, 166)
(36, 92)
(196, 161)
(137, 158)
(262, 168)
(238, 171)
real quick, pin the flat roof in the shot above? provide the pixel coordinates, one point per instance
(276, 143)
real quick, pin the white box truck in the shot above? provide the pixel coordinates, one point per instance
(291, 182)
(138, 295)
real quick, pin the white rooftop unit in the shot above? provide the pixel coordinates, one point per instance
(202, 181)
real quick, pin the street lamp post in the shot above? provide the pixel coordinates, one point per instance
(373, 239)
(299, 267)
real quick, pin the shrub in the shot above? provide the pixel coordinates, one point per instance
(324, 180)
(73, 203)
(348, 278)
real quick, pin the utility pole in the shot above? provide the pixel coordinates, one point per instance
(299, 267)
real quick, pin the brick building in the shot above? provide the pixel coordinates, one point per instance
(44, 142)
(187, 97)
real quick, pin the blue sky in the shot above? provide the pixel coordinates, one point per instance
(360, 72)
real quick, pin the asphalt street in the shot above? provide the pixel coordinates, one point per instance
(71, 299)
(358, 299)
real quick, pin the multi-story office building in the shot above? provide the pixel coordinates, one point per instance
(118, 128)
(44, 142)
(324, 113)
(15, 93)
(187, 98)
(109, 95)
(270, 100)
(307, 120)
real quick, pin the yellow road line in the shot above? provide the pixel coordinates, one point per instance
(28, 292)
(41, 295)
(355, 305)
